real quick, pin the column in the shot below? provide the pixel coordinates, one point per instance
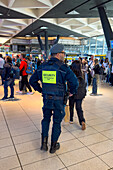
(46, 44)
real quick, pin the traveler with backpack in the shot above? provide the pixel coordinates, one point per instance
(29, 70)
(8, 79)
(23, 73)
(17, 61)
(78, 97)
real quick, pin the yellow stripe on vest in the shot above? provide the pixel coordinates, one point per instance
(49, 77)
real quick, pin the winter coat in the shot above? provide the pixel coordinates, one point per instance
(23, 67)
(6, 71)
(81, 92)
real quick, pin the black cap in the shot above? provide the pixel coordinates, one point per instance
(57, 48)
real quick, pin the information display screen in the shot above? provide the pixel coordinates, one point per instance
(111, 44)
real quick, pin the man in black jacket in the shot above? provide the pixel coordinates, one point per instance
(8, 79)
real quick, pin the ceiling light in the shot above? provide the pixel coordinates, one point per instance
(71, 35)
(8, 14)
(76, 37)
(1, 14)
(33, 33)
(73, 13)
(28, 35)
(43, 28)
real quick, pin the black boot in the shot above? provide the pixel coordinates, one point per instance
(44, 144)
(54, 146)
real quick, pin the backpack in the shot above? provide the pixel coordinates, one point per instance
(29, 69)
(81, 92)
(15, 72)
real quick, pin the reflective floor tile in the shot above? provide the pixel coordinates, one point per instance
(108, 158)
(16, 169)
(72, 127)
(91, 139)
(66, 136)
(103, 127)
(7, 151)
(80, 133)
(23, 130)
(4, 134)
(9, 163)
(28, 146)
(5, 142)
(92, 164)
(48, 164)
(69, 146)
(96, 121)
(33, 156)
(26, 137)
(108, 133)
(76, 156)
(101, 148)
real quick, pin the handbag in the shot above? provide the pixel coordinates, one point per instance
(67, 114)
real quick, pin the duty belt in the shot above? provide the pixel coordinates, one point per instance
(54, 97)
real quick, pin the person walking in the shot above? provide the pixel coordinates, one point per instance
(53, 74)
(79, 96)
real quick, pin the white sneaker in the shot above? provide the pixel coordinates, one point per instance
(30, 93)
(19, 92)
(71, 122)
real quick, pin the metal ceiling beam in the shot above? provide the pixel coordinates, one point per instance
(106, 26)
(97, 6)
(77, 6)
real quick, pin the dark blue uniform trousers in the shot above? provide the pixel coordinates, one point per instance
(57, 110)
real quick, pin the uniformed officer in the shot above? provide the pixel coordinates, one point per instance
(53, 74)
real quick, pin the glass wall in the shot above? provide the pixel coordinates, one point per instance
(94, 45)
(100, 43)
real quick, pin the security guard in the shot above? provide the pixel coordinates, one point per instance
(53, 74)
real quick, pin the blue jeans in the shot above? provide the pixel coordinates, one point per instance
(94, 88)
(79, 110)
(55, 108)
(6, 84)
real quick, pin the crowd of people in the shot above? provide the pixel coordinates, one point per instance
(25, 67)
(54, 74)
(96, 72)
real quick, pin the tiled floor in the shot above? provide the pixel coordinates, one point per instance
(20, 133)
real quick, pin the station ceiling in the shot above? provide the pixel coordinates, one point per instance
(79, 18)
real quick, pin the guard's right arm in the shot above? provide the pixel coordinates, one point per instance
(34, 82)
